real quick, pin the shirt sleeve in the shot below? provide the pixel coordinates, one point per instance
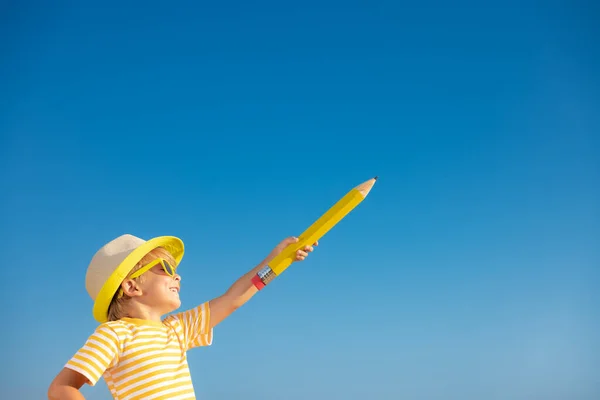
(100, 352)
(195, 325)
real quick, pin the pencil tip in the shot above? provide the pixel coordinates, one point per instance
(375, 178)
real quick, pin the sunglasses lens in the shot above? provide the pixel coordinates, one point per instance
(169, 268)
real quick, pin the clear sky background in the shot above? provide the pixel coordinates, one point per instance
(470, 272)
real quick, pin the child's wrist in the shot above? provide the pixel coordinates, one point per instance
(263, 277)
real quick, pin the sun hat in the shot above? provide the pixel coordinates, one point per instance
(113, 262)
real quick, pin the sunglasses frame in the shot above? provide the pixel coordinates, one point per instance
(168, 268)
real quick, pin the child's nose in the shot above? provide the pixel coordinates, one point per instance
(177, 277)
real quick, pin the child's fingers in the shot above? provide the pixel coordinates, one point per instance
(301, 255)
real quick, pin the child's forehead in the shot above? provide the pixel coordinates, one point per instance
(159, 252)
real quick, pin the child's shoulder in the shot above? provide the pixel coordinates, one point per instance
(134, 325)
(126, 331)
(113, 325)
(112, 330)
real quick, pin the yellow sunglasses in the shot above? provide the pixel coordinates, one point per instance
(168, 268)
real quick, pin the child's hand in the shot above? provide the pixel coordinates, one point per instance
(301, 254)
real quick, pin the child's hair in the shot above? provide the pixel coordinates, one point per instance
(116, 309)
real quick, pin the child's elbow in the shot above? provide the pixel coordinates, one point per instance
(66, 385)
(58, 391)
(54, 391)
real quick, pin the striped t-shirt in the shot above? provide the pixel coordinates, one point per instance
(142, 359)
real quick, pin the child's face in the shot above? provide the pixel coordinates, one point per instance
(159, 290)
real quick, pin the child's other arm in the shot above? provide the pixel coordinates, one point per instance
(243, 289)
(66, 386)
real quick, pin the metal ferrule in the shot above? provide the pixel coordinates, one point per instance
(266, 274)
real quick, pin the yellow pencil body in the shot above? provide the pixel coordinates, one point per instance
(314, 232)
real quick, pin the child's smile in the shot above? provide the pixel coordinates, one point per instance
(162, 290)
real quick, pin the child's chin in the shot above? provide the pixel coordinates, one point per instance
(175, 305)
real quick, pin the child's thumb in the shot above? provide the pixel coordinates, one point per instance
(290, 240)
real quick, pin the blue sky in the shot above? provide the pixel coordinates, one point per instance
(472, 269)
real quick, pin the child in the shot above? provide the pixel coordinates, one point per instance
(133, 283)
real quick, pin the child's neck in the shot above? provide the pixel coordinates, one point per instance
(142, 311)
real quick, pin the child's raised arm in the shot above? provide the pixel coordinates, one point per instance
(243, 289)
(66, 386)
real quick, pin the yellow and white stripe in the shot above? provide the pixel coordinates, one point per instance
(143, 359)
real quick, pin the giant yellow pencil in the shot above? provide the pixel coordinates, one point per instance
(314, 232)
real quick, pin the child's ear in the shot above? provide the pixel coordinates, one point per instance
(130, 288)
